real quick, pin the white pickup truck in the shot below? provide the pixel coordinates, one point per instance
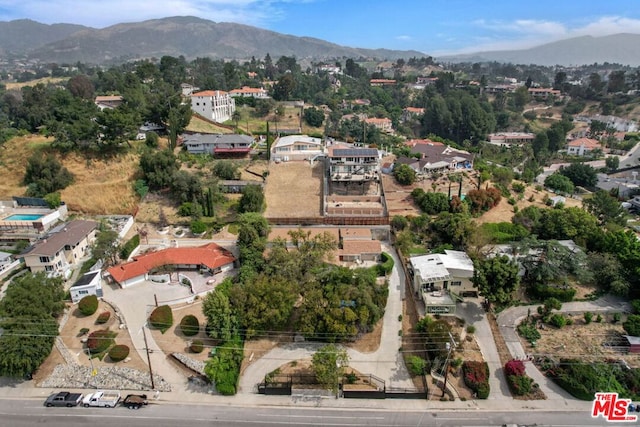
(105, 399)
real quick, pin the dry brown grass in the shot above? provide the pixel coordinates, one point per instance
(198, 125)
(293, 189)
(44, 80)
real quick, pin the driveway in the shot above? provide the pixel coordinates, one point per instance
(386, 362)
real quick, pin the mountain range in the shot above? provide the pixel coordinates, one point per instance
(188, 36)
(617, 48)
(194, 37)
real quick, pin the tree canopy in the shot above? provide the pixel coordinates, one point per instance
(496, 279)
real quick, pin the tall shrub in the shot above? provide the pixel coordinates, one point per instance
(88, 305)
(189, 325)
(161, 318)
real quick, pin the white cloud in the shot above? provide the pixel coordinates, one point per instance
(101, 13)
(404, 38)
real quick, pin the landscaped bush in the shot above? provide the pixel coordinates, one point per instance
(88, 305)
(387, 264)
(583, 380)
(514, 367)
(161, 318)
(100, 341)
(103, 318)
(223, 369)
(129, 247)
(196, 346)
(198, 227)
(416, 365)
(588, 317)
(543, 291)
(476, 377)
(189, 325)
(118, 352)
(558, 320)
(520, 385)
(529, 331)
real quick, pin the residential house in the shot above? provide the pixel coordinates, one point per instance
(411, 112)
(501, 88)
(384, 124)
(297, 147)
(216, 105)
(6, 262)
(217, 144)
(539, 93)
(108, 101)
(441, 279)
(436, 158)
(88, 284)
(211, 258)
(188, 89)
(249, 92)
(583, 146)
(24, 216)
(353, 164)
(382, 82)
(508, 139)
(63, 249)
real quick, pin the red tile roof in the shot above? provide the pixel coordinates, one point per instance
(210, 255)
(588, 143)
(209, 93)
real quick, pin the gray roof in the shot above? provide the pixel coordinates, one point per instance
(209, 138)
(355, 152)
(71, 234)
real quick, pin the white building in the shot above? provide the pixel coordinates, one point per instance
(250, 92)
(87, 284)
(297, 147)
(441, 279)
(216, 105)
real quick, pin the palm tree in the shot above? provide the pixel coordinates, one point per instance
(236, 117)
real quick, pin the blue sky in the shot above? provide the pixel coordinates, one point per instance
(435, 27)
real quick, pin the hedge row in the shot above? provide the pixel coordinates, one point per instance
(161, 318)
(129, 247)
(223, 369)
(542, 292)
(476, 377)
(387, 264)
(88, 305)
(583, 380)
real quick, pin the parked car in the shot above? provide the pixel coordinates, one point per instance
(102, 399)
(135, 401)
(63, 398)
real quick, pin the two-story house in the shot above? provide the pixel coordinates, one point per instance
(582, 146)
(442, 279)
(217, 144)
(249, 92)
(216, 105)
(353, 164)
(63, 249)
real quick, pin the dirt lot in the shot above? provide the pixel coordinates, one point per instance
(294, 190)
(583, 341)
(70, 335)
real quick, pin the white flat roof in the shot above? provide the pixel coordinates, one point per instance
(292, 139)
(439, 267)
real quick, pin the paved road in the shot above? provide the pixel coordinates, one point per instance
(31, 412)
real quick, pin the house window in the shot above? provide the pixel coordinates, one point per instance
(458, 283)
(44, 259)
(83, 292)
(48, 268)
(67, 247)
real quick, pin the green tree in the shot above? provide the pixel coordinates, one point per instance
(313, 116)
(106, 247)
(496, 279)
(222, 322)
(252, 199)
(632, 325)
(28, 311)
(580, 174)
(559, 183)
(158, 168)
(430, 203)
(80, 86)
(226, 169)
(329, 364)
(605, 207)
(45, 174)
(608, 274)
(404, 174)
(612, 163)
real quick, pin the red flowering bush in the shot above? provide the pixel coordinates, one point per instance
(514, 367)
(476, 377)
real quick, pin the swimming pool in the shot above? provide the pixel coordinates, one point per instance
(23, 217)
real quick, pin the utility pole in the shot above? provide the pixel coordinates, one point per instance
(450, 347)
(146, 348)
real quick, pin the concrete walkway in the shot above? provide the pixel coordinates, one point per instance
(474, 315)
(386, 362)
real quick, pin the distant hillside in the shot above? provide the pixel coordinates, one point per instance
(188, 36)
(617, 48)
(22, 35)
